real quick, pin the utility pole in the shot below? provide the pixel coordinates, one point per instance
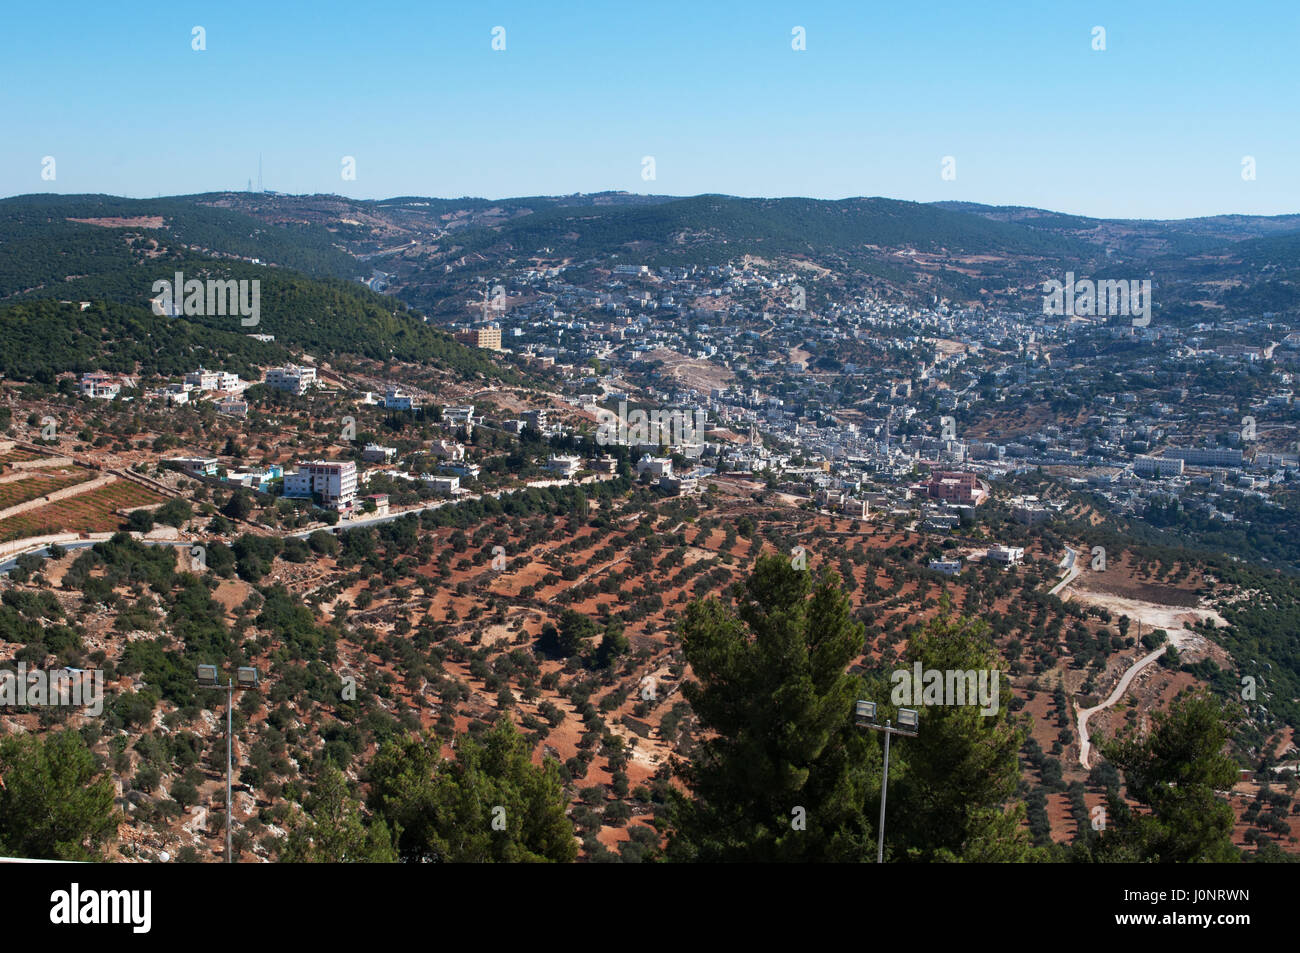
(245, 678)
(909, 722)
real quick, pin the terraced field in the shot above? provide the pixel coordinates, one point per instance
(15, 455)
(39, 484)
(91, 512)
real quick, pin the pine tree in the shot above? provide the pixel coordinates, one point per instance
(1176, 772)
(54, 805)
(490, 803)
(782, 773)
(333, 832)
(948, 798)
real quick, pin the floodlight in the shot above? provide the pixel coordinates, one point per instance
(246, 677)
(908, 718)
(865, 712)
(207, 675)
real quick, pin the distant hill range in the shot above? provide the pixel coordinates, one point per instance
(433, 254)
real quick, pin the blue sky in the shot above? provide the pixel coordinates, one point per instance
(1154, 126)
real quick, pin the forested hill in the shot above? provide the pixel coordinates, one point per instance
(47, 257)
(44, 238)
(41, 338)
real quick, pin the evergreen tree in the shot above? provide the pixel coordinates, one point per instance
(54, 804)
(489, 804)
(1176, 772)
(332, 830)
(612, 645)
(782, 773)
(949, 793)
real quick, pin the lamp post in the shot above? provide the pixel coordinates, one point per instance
(909, 724)
(245, 678)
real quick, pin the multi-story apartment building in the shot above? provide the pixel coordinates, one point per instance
(397, 399)
(443, 485)
(291, 378)
(656, 466)
(204, 379)
(1206, 456)
(487, 337)
(1145, 466)
(334, 483)
(565, 466)
(954, 487)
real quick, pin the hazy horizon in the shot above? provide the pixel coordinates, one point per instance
(657, 195)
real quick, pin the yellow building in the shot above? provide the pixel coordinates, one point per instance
(488, 338)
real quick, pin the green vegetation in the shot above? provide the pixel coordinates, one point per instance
(54, 802)
(332, 830)
(784, 774)
(1176, 773)
(488, 804)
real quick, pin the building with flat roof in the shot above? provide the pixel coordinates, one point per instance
(291, 378)
(194, 466)
(954, 487)
(444, 485)
(656, 466)
(564, 465)
(487, 337)
(1145, 466)
(1206, 456)
(333, 482)
(397, 399)
(1005, 555)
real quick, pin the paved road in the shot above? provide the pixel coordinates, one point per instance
(9, 564)
(376, 520)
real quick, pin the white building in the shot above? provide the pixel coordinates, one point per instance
(291, 378)
(448, 450)
(334, 483)
(100, 386)
(565, 466)
(444, 485)
(1005, 555)
(203, 379)
(657, 466)
(194, 466)
(1145, 466)
(397, 399)
(374, 453)
(459, 416)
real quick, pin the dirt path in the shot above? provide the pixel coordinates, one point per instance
(1149, 615)
(1085, 744)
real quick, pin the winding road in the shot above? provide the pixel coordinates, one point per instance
(1085, 745)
